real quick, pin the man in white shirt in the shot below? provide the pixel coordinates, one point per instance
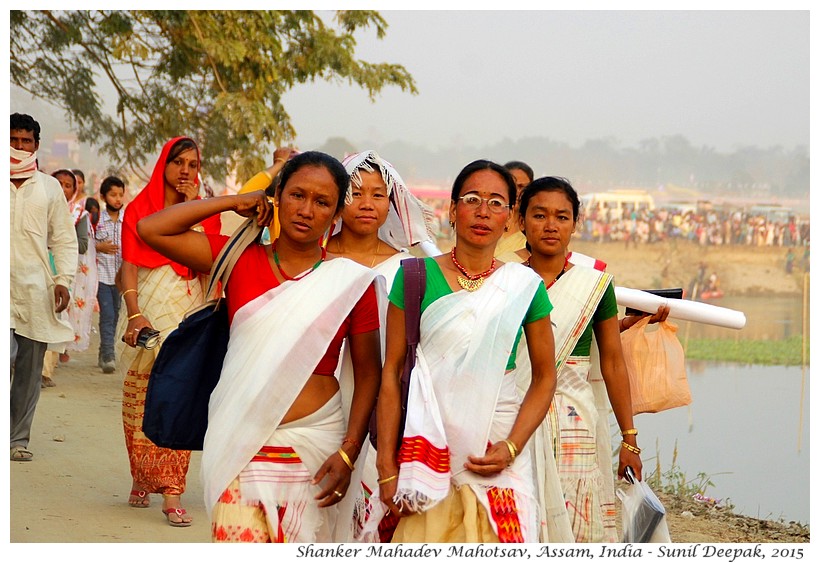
(40, 222)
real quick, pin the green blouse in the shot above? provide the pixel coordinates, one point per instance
(607, 308)
(437, 287)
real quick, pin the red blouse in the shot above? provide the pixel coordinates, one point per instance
(252, 276)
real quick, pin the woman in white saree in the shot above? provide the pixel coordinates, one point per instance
(584, 302)
(282, 442)
(455, 475)
(381, 221)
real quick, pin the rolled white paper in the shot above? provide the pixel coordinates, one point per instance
(680, 308)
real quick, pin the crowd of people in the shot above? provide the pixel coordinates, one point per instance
(634, 227)
(706, 228)
(315, 431)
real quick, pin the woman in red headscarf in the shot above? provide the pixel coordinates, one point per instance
(157, 293)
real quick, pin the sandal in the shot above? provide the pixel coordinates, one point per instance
(139, 499)
(20, 453)
(180, 513)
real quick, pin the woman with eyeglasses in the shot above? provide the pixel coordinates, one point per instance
(459, 471)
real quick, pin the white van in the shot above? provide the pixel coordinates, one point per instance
(618, 202)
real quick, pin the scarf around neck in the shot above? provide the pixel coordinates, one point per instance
(23, 164)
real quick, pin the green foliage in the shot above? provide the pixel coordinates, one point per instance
(217, 76)
(674, 481)
(785, 352)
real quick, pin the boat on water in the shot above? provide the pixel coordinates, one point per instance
(711, 294)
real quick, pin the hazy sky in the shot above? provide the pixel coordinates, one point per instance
(720, 78)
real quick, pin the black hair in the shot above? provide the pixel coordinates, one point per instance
(26, 123)
(322, 160)
(477, 165)
(66, 172)
(270, 191)
(184, 144)
(550, 184)
(109, 183)
(522, 166)
(79, 173)
(91, 204)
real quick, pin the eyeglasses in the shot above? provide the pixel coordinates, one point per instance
(494, 204)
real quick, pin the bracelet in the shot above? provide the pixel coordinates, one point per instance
(387, 479)
(631, 448)
(512, 448)
(127, 291)
(275, 160)
(352, 441)
(346, 459)
(134, 316)
(630, 432)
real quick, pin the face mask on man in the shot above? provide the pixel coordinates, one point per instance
(23, 164)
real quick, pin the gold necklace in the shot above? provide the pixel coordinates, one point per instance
(467, 281)
(375, 253)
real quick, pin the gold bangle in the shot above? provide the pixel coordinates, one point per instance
(512, 448)
(387, 479)
(128, 291)
(346, 459)
(275, 160)
(630, 432)
(134, 316)
(631, 448)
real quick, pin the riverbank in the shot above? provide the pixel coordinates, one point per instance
(748, 271)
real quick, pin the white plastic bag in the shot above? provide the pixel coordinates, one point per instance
(643, 515)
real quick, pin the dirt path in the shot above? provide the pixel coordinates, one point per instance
(76, 488)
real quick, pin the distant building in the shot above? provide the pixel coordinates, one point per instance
(64, 152)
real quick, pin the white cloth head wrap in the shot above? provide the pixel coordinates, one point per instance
(409, 221)
(23, 164)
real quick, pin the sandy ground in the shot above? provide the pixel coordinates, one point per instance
(76, 488)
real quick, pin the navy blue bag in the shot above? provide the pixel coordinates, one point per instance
(189, 362)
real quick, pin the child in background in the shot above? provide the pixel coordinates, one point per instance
(108, 237)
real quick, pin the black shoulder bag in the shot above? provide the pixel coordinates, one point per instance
(189, 363)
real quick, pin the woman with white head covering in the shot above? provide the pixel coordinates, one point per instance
(380, 213)
(380, 222)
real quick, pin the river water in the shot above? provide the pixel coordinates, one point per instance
(747, 427)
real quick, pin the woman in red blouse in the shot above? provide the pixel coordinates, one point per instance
(282, 441)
